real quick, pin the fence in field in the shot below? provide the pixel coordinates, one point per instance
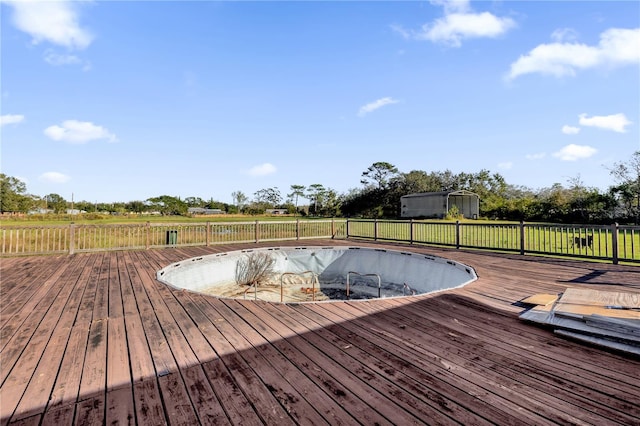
(606, 242)
(73, 238)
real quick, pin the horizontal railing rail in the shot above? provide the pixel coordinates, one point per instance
(79, 238)
(615, 243)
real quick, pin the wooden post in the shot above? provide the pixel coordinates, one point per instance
(375, 235)
(347, 229)
(522, 237)
(333, 228)
(257, 231)
(148, 236)
(72, 237)
(208, 233)
(410, 231)
(457, 234)
(297, 229)
(614, 241)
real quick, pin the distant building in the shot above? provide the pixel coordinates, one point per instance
(75, 211)
(203, 211)
(438, 204)
(276, 211)
(40, 210)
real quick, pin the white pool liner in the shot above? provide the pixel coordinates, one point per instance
(422, 273)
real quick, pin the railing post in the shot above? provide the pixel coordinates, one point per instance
(522, 237)
(297, 229)
(614, 241)
(375, 232)
(410, 231)
(347, 228)
(333, 228)
(208, 233)
(457, 234)
(72, 237)
(147, 243)
(257, 231)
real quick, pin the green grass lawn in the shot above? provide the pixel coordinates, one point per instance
(92, 219)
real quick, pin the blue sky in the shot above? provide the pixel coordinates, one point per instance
(120, 101)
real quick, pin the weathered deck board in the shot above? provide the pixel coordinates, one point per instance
(22, 357)
(95, 339)
(334, 379)
(452, 395)
(17, 291)
(364, 367)
(255, 353)
(439, 353)
(29, 305)
(273, 332)
(234, 402)
(39, 388)
(533, 377)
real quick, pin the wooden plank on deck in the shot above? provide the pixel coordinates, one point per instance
(20, 366)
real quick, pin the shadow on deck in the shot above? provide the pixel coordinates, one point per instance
(95, 339)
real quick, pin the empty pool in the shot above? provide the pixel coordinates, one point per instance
(306, 274)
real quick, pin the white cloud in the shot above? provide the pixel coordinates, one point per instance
(454, 28)
(52, 21)
(452, 6)
(507, 165)
(54, 177)
(570, 130)
(615, 122)
(617, 47)
(263, 170)
(57, 59)
(78, 132)
(536, 156)
(11, 119)
(372, 106)
(406, 34)
(457, 24)
(574, 152)
(54, 58)
(621, 46)
(564, 34)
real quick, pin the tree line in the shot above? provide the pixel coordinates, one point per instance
(378, 196)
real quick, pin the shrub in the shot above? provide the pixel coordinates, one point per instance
(454, 213)
(254, 269)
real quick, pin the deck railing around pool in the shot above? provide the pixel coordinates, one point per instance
(76, 238)
(614, 242)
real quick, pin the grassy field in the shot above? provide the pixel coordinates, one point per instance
(93, 219)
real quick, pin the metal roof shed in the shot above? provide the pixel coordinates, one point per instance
(438, 204)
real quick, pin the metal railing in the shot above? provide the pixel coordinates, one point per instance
(363, 275)
(615, 243)
(78, 238)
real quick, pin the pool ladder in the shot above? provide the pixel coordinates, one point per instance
(364, 275)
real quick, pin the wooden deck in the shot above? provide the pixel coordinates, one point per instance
(95, 339)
